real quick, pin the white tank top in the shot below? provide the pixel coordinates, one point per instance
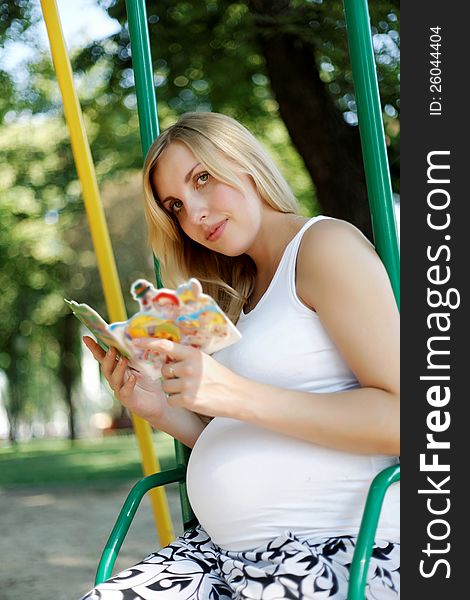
(246, 484)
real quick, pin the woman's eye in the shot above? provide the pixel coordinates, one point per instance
(202, 178)
(173, 206)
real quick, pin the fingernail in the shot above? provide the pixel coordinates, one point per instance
(162, 343)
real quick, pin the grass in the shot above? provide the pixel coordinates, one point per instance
(55, 462)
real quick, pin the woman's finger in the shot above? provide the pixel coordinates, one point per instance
(176, 400)
(175, 350)
(108, 364)
(172, 386)
(117, 378)
(94, 348)
(170, 370)
(126, 391)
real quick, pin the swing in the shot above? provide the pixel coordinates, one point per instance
(385, 234)
(386, 243)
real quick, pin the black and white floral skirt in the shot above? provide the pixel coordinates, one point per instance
(194, 568)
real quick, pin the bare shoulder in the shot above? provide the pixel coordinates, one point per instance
(333, 235)
(329, 249)
(341, 277)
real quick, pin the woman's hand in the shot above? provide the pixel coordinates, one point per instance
(138, 393)
(197, 382)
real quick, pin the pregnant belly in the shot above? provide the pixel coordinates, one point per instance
(248, 485)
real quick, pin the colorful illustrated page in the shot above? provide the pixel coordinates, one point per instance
(185, 315)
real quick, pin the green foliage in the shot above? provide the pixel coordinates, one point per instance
(208, 55)
(33, 258)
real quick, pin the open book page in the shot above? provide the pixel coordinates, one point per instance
(185, 315)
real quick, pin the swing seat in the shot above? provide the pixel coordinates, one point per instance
(362, 552)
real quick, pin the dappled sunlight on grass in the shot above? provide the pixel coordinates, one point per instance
(60, 462)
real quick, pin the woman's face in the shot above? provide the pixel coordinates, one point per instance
(201, 203)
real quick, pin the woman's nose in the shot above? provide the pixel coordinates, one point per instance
(197, 210)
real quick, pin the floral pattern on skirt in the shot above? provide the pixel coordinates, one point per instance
(194, 568)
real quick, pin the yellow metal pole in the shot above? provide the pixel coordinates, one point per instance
(101, 240)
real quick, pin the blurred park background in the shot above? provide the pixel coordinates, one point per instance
(280, 67)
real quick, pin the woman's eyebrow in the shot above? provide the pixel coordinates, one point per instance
(186, 179)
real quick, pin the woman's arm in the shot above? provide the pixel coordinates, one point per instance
(340, 275)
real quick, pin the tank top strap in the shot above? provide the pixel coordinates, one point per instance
(288, 275)
(283, 280)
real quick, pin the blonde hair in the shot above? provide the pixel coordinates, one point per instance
(226, 148)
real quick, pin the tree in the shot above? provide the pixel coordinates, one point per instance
(256, 59)
(45, 255)
(280, 66)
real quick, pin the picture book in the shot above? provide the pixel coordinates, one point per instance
(185, 315)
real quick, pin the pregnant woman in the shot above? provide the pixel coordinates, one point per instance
(289, 425)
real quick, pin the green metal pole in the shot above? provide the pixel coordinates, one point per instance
(365, 540)
(149, 130)
(144, 85)
(124, 520)
(385, 236)
(373, 139)
(143, 73)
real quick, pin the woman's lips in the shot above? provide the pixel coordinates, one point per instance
(218, 232)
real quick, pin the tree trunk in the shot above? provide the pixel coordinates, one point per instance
(330, 148)
(68, 370)
(13, 404)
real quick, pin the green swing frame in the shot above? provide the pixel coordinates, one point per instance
(386, 243)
